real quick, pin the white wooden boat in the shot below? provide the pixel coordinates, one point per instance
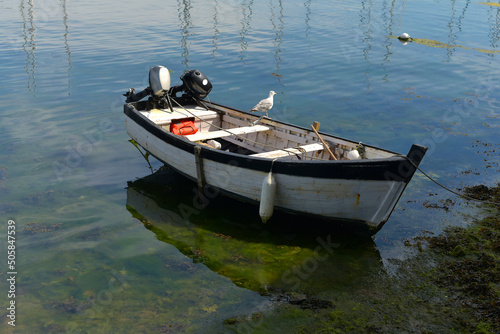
(277, 165)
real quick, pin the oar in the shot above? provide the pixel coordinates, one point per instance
(322, 141)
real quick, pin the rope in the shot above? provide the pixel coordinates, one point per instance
(444, 187)
(240, 137)
(272, 164)
(302, 150)
(313, 158)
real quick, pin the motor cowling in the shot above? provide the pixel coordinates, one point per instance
(196, 84)
(159, 80)
(159, 84)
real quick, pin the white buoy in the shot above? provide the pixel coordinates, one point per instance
(267, 196)
(353, 155)
(404, 37)
(215, 144)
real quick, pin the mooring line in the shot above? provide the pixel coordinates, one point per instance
(446, 188)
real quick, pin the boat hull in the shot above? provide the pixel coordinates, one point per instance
(358, 193)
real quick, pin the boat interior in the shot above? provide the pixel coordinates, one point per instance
(231, 130)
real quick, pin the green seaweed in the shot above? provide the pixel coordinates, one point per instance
(213, 276)
(451, 285)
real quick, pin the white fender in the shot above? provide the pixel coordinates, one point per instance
(267, 196)
(353, 155)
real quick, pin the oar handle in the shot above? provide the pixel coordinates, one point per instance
(323, 142)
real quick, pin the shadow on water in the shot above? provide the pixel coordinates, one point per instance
(228, 237)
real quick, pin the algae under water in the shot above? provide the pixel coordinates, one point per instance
(451, 285)
(254, 256)
(468, 263)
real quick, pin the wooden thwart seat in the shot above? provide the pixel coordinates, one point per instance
(290, 151)
(225, 133)
(164, 117)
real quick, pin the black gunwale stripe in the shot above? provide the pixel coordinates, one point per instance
(368, 169)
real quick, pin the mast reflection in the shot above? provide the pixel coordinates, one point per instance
(278, 26)
(215, 37)
(29, 45)
(184, 8)
(307, 5)
(246, 9)
(494, 31)
(66, 42)
(30, 26)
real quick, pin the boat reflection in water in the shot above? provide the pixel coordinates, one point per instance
(229, 238)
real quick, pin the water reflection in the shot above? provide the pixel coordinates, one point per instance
(392, 11)
(278, 26)
(494, 31)
(66, 42)
(215, 37)
(455, 24)
(29, 29)
(307, 5)
(276, 18)
(246, 9)
(227, 237)
(365, 21)
(184, 8)
(29, 45)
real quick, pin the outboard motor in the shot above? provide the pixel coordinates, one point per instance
(195, 84)
(159, 85)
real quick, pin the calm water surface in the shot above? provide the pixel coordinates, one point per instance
(103, 246)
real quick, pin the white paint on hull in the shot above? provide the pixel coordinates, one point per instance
(362, 200)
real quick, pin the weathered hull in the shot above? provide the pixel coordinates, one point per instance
(361, 192)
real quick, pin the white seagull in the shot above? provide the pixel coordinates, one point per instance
(265, 105)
